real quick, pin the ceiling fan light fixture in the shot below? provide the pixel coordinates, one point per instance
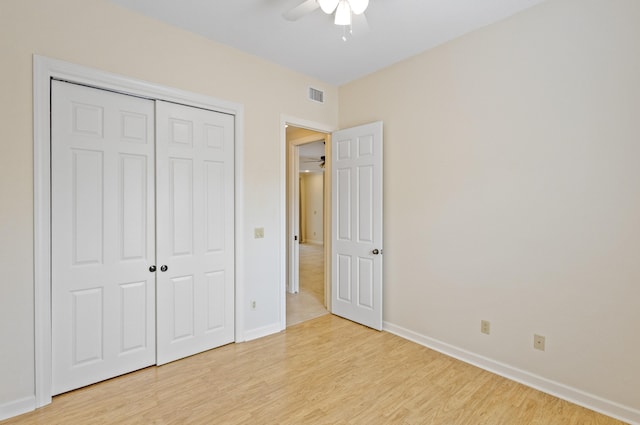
(358, 6)
(343, 13)
(328, 6)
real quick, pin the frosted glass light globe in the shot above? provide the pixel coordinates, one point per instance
(343, 13)
(328, 6)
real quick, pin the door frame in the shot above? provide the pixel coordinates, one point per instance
(44, 70)
(284, 221)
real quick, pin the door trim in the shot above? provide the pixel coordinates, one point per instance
(44, 70)
(321, 128)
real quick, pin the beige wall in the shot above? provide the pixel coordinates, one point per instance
(524, 137)
(312, 186)
(100, 35)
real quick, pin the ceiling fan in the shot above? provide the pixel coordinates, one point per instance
(344, 10)
(319, 161)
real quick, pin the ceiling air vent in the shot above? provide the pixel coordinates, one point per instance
(316, 95)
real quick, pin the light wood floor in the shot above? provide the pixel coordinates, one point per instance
(309, 302)
(323, 371)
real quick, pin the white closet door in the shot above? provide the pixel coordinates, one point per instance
(195, 230)
(103, 295)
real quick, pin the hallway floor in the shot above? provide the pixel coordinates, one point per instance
(309, 302)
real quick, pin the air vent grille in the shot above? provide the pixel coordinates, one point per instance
(316, 95)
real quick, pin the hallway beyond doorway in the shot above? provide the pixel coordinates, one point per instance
(309, 302)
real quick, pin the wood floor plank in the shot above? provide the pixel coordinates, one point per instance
(324, 371)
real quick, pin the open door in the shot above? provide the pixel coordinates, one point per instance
(356, 266)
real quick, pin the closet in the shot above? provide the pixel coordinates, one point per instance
(142, 233)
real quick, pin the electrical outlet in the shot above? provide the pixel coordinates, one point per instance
(538, 342)
(485, 327)
(258, 232)
(253, 305)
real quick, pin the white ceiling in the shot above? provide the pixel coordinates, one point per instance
(313, 150)
(397, 29)
(309, 154)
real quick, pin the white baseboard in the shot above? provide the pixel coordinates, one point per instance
(263, 331)
(556, 389)
(17, 407)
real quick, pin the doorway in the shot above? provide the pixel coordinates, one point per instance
(353, 230)
(306, 220)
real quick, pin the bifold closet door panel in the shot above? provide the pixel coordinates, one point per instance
(195, 230)
(103, 235)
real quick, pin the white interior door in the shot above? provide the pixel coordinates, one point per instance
(357, 224)
(102, 197)
(195, 230)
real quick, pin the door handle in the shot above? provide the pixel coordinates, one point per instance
(152, 269)
(375, 251)
(164, 268)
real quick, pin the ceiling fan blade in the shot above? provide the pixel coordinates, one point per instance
(301, 10)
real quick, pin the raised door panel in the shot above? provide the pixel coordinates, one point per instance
(133, 174)
(87, 195)
(181, 207)
(134, 314)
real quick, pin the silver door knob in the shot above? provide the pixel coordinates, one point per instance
(375, 251)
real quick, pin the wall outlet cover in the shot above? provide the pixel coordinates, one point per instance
(538, 342)
(485, 327)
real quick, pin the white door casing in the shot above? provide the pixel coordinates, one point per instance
(357, 224)
(293, 235)
(195, 230)
(103, 236)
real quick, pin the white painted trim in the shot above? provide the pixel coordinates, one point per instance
(44, 69)
(282, 286)
(540, 383)
(17, 407)
(310, 125)
(239, 224)
(42, 229)
(263, 331)
(293, 218)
